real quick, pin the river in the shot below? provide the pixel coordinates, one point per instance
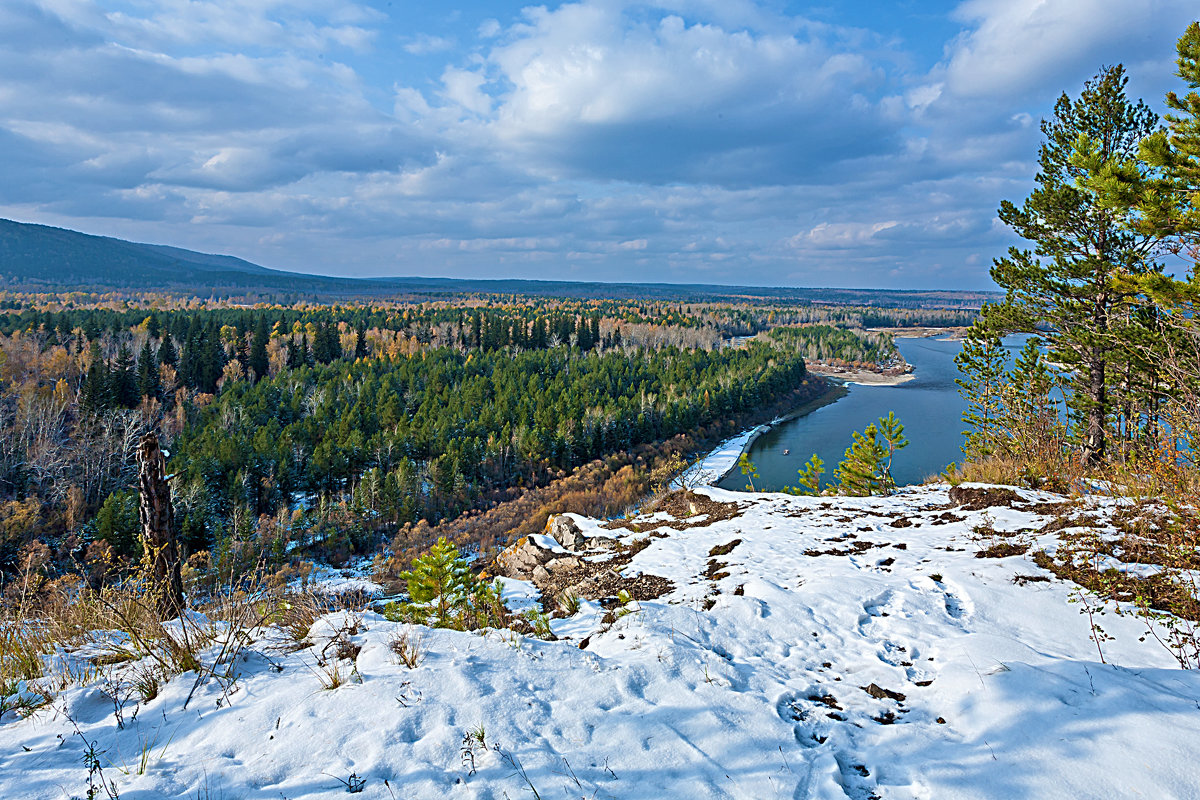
(929, 406)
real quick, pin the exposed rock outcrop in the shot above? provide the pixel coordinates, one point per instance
(565, 560)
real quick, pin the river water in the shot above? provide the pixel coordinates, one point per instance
(929, 406)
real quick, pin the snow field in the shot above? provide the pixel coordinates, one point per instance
(839, 656)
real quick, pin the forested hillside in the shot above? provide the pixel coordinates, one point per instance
(302, 424)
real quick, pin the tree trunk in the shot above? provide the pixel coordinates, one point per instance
(160, 559)
(1094, 444)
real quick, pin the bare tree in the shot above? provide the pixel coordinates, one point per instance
(161, 557)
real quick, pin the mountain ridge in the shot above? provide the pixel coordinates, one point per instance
(35, 257)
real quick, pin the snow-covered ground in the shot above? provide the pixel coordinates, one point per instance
(844, 648)
(714, 466)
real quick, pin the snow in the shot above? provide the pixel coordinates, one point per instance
(717, 464)
(354, 577)
(751, 686)
(545, 542)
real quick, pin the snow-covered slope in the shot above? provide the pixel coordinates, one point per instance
(843, 648)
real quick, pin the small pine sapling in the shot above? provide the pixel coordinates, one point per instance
(892, 431)
(809, 477)
(440, 581)
(857, 474)
(866, 468)
(749, 470)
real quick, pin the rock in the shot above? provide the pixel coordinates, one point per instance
(561, 563)
(564, 531)
(540, 576)
(879, 693)
(519, 559)
(603, 543)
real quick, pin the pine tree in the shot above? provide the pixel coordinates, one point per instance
(440, 580)
(809, 477)
(123, 378)
(981, 363)
(894, 440)
(1173, 209)
(858, 473)
(166, 351)
(257, 359)
(1033, 411)
(294, 359)
(148, 382)
(749, 470)
(866, 467)
(360, 341)
(1085, 243)
(95, 396)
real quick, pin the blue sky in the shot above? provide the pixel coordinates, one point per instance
(716, 141)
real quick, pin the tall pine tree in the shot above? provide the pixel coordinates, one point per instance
(1072, 279)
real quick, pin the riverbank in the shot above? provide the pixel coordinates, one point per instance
(720, 462)
(864, 377)
(929, 406)
(955, 332)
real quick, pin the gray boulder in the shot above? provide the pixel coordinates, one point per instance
(564, 531)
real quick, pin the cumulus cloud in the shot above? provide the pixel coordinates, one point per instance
(594, 89)
(714, 140)
(1010, 47)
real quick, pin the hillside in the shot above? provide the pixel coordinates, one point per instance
(43, 258)
(825, 648)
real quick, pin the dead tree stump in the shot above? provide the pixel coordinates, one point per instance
(161, 552)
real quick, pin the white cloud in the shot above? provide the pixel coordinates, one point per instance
(1017, 46)
(488, 28)
(423, 44)
(464, 88)
(672, 140)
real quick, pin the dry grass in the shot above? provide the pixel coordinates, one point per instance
(115, 634)
(1053, 474)
(409, 647)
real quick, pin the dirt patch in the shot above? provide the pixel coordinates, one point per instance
(1063, 521)
(716, 570)
(826, 700)
(1003, 550)
(1050, 509)
(970, 498)
(1163, 591)
(724, 549)
(690, 510)
(860, 546)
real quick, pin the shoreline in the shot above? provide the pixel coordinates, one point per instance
(862, 377)
(721, 461)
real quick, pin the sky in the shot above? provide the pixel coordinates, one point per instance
(862, 144)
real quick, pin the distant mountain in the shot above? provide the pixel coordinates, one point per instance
(43, 258)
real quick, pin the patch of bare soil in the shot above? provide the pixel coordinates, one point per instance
(1003, 550)
(723, 549)
(716, 570)
(1064, 521)
(860, 546)
(971, 498)
(690, 510)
